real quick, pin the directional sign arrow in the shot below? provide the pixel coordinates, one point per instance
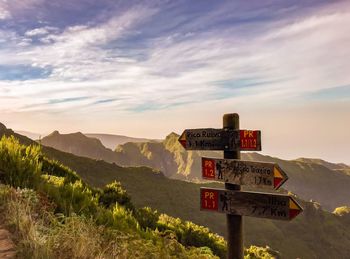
(254, 204)
(255, 174)
(221, 139)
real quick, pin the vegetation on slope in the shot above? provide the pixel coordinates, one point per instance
(342, 211)
(315, 233)
(311, 233)
(54, 214)
(89, 209)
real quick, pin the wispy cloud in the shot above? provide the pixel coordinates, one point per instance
(40, 31)
(135, 58)
(177, 66)
(4, 14)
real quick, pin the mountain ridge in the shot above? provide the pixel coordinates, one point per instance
(306, 178)
(111, 141)
(330, 165)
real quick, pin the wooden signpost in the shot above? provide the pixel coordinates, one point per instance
(255, 204)
(234, 173)
(221, 139)
(253, 174)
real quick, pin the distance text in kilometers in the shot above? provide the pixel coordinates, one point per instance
(249, 173)
(255, 204)
(221, 139)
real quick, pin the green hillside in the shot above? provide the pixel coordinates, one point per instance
(311, 179)
(54, 214)
(310, 235)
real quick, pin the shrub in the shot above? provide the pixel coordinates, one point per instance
(190, 234)
(147, 218)
(341, 211)
(53, 167)
(20, 165)
(114, 193)
(254, 252)
(69, 198)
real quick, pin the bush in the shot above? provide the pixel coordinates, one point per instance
(114, 193)
(53, 167)
(341, 211)
(69, 198)
(190, 234)
(20, 165)
(254, 252)
(147, 218)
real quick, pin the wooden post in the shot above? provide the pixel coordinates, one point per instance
(234, 222)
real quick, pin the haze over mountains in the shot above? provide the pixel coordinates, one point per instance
(110, 141)
(311, 179)
(314, 234)
(31, 135)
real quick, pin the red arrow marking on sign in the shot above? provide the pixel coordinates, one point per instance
(279, 177)
(294, 208)
(182, 140)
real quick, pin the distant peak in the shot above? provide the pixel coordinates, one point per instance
(54, 133)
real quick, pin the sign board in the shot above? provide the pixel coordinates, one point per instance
(221, 139)
(254, 204)
(254, 174)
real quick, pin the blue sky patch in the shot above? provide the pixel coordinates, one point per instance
(105, 101)
(242, 83)
(67, 100)
(23, 72)
(334, 93)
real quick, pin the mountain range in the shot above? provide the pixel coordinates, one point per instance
(110, 141)
(312, 179)
(313, 234)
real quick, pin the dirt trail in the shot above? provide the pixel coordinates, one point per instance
(7, 247)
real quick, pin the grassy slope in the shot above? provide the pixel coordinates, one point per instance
(310, 235)
(315, 232)
(57, 199)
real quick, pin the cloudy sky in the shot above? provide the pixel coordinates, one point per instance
(147, 68)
